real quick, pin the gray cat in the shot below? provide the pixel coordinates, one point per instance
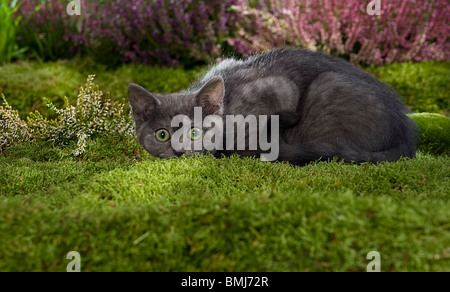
(326, 108)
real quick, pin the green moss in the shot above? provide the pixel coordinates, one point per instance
(434, 132)
(25, 84)
(125, 212)
(424, 86)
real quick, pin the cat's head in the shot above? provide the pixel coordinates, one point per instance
(153, 114)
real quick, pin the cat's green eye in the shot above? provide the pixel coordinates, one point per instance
(162, 135)
(195, 133)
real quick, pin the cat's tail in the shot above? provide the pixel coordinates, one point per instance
(303, 154)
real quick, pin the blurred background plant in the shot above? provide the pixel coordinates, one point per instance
(9, 24)
(407, 46)
(45, 28)
(160, 32)
(188, 33)
(405, 31)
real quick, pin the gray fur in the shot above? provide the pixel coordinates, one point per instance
(328, 107)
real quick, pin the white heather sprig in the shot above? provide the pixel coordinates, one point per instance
(81, 144)
(93, 115)
(12, 128)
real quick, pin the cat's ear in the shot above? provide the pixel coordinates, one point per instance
(210, 97)
(143, 102)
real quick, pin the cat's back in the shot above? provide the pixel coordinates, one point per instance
(305, 65)
(280, 80)
(301, 66)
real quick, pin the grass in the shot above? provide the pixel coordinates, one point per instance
(126, 211)
(434, 132)
(424, 86)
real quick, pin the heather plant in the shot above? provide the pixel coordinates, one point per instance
(258, 31)
(93, 115)
(161, 32)
(187, 32)
(46, 29)
(13, 128)
(405, 30)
